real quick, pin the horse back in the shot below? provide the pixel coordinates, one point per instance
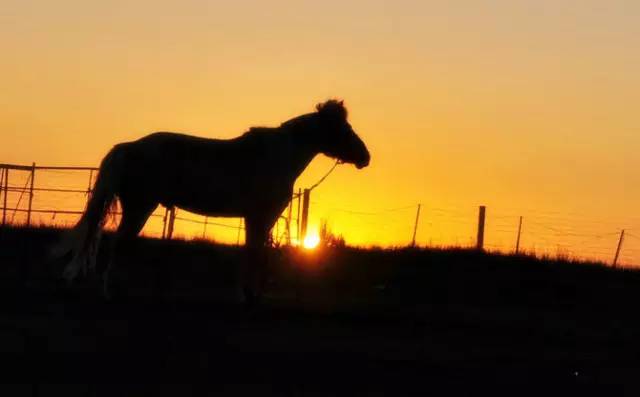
(203, 175)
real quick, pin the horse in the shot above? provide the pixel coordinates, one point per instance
(250, 176)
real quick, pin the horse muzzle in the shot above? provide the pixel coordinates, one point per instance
(363, 163)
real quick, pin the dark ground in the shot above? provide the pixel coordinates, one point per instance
(356, 322)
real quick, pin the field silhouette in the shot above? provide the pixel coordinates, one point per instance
(340, 321)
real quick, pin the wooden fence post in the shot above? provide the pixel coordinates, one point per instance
(481, 217)
(172, 220)
(305, 214)
(33, 176)
(518, 239)
(164, 223)
(298, 217)
(620, 241)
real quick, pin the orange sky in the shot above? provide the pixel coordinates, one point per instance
(525, 106)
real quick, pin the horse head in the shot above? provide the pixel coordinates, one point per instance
(336, 137)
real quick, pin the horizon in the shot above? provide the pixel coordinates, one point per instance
(526, 108)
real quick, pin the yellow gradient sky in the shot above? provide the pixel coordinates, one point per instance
(528, 107)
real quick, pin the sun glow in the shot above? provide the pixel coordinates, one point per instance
(311, 241)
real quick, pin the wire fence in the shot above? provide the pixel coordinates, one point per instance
(542, 233)
(56, 196)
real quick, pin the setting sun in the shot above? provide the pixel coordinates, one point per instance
(311, 241)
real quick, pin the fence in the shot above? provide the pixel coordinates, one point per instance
(30, 189)
(556, 234)
(59, 201)
(37, 195)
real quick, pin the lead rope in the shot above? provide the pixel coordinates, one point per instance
(315, 185)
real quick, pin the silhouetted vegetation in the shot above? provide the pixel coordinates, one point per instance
(339, 320)
(328, 238)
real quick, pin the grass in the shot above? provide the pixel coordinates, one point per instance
(340, 321)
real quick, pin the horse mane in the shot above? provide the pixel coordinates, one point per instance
(333, 108)
(253, 131)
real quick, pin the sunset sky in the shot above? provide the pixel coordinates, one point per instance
(528, 107)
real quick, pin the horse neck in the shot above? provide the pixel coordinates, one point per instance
(304, 149)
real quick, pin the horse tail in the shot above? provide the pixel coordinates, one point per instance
(82, 241)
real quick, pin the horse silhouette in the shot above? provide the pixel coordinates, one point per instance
(250, 176)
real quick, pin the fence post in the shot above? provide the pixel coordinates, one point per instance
(620, 241)
(481, 217)
(2, 183)
(164, 223)
(239, 231)
(518, 239)
(298, 218)
(33, 175)
(305, 214)
(6, 193)
(415, 227)
(172, 219)
(289, 221)
(204, 231)
(89, 187)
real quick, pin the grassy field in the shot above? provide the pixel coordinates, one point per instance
(340, 322)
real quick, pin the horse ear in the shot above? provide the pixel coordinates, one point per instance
(332, 108)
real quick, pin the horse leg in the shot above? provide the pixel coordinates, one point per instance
(134, 216)
(254, 266)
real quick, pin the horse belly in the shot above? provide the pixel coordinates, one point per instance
(213, 202)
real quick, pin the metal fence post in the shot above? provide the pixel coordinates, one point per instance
(415, 226)
(239, 231)
(2, 184)
(6, 193)
(204, 230)
(33, 176)
(289, 221)
(518, 239)
(89, 186)
(620, 241)
(481, 217)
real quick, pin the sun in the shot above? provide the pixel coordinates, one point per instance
(311, 241)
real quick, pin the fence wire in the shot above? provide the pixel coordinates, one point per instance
(59, 195)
